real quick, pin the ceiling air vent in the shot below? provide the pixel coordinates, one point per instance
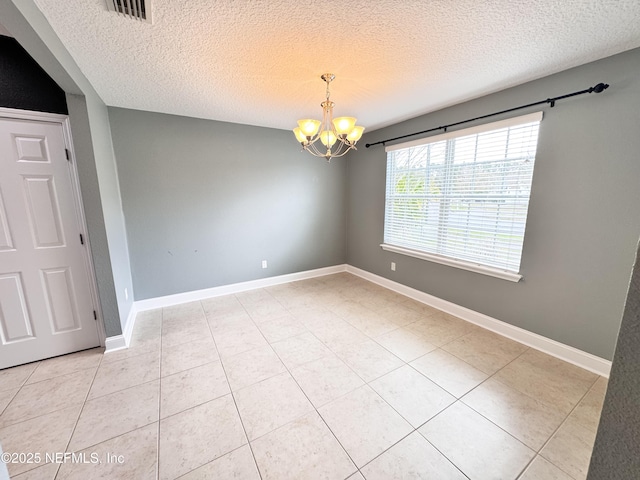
(134, 9)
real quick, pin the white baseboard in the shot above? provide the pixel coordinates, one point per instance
(119, 342)
(559, 350)
(168, 300)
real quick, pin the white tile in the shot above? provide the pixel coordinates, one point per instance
(226, 324)
(5, 397)
(541, 469)
(371, 324)
(192, 387)
(529, 420)
(420, 307)
(226, 306)
(302, 449)
(281, 328)
(47, 396)
(138, 346)
(412, 458)
(45, 472)
(405, 345)
(237, 464)
(587, 412)
(231, 342)
(265, 311)
(412, 395)
(364, 424)
(401, 314)
(66, 364)
(182, 312)
(369, 360)
(15, 377)
(250, 367)
(188, 355)
(454, 375)
(296, 351)
(335, 333)
(326, 379)
(441, 328)
(115, 414)
(137, 450)
(199, 435)
(48, 433)
(475, 445)
(186, 332)
(254, 296)
(487, 351)
(270, 404)
(356, 476)
(570, 448)
(126, 373)
(547, 379)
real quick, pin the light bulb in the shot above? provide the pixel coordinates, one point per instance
(355, 134)
(300, 135)
(309, 127)
(344, 125)
(327, 138)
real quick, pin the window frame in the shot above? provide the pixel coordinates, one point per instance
(450, 260)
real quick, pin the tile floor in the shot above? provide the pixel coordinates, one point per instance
(329, 378)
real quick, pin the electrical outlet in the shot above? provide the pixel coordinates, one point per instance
(264, 264)
(393, 266)
(126, 293)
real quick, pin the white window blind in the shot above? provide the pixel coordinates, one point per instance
(463, 195)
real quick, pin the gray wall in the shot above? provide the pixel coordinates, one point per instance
(205, 202)
(94, 151)
(103, 208)
(584, 213)
(615, 453)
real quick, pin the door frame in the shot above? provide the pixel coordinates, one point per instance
(63, 121)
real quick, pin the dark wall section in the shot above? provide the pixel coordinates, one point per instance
(23, 84)
(615, 454)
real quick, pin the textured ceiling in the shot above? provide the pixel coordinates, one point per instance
(258, 62)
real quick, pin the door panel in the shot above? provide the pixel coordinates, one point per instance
(6, 242)
(31, 149)
(16, 324)
(46, 307)
(61, 303)
(44, 214)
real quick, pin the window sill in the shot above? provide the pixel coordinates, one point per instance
(472, 267)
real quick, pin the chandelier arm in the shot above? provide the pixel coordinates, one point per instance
(342, 149)
(313, 150)
(315, 138)
(344, 153)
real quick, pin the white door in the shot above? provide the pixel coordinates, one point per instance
(46, 306)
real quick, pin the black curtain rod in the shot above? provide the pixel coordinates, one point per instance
(552, 101)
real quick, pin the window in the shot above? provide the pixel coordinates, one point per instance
(461, 198)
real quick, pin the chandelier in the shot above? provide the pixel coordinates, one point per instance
(338, 135)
